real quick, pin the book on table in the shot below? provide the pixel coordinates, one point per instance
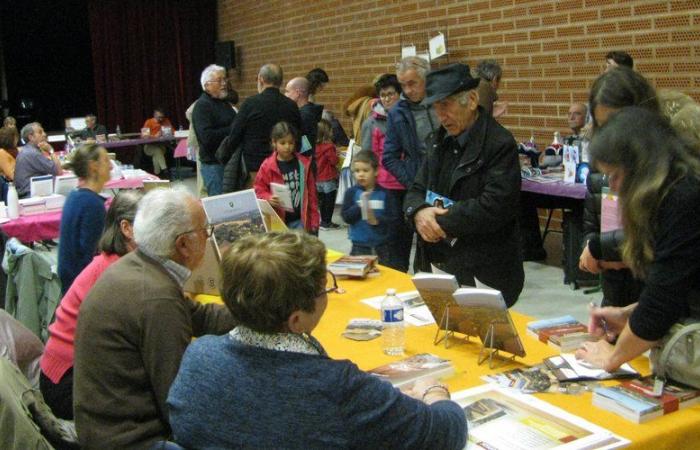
(64, 184)
(564, 333)
(501, 418)
(566, 367)
(353, 266)
(409, 370)
(637, 401)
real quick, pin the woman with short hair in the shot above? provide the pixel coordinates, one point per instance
(657, 176)
(269, 383)
(56, 380)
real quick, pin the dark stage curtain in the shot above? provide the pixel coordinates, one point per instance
(149, 53)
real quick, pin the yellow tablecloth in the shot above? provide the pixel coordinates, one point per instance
(678, 430)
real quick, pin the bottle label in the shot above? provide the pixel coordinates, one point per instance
(392, 315)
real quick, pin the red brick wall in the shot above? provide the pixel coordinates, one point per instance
(550, 51)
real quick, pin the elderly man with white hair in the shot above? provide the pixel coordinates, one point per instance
(35, 158)
(136, 323)
(212, 117)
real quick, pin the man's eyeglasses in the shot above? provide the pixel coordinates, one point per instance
(222, 81)
(209, 229)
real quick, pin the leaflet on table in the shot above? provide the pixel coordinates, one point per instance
(529, 422)
(567, 368)
(415, 313)
(284, 194)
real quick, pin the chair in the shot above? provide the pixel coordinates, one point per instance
(21, 347)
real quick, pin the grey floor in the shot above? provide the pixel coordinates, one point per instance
(544, 295)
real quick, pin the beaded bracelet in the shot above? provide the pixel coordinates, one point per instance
(436, 386)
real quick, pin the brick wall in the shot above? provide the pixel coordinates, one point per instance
(550, 51)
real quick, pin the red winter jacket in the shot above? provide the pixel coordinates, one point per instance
(326, 161)
(269, 172)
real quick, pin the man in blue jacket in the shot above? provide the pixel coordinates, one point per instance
(411, 128)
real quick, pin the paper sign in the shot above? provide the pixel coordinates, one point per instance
(437, 46)
(284, 194)
(409, 50)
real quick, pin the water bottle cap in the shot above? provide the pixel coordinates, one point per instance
(391, 291)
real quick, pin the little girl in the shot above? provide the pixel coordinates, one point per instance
(327, 183)
(285, 167)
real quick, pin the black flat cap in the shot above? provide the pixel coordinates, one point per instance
(442, 83)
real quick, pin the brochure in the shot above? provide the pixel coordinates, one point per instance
(530, 423)
(284, 194)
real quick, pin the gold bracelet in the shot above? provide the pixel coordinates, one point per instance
(436, 386)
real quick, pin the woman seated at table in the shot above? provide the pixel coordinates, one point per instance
(8, 152)
(83, 216)
(657, 176)
(269, 383)
(56, 381)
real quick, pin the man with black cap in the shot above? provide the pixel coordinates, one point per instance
(474, 163)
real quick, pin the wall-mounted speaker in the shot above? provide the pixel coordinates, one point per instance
(226, 54)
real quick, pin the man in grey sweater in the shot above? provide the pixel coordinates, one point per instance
(136, 323)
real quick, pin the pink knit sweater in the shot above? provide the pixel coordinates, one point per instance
(58, 353)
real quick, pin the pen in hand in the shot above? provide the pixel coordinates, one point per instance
(603, 323)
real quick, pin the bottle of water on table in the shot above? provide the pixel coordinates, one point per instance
(392, 318)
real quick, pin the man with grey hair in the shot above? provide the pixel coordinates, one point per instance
(410, 130)
(136, 323)
(35, 158)
(212, 117)
(92, 128)
(490, 73)
(258, 114)
(474, 163)
(297, 89)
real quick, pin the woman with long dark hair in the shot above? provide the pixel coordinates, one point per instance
(657, 176)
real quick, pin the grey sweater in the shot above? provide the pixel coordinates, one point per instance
(231, 395)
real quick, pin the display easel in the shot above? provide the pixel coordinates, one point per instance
(492, 340)
(488, 351)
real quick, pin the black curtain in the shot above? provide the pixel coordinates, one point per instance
(149, 53)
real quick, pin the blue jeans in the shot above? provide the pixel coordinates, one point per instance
(213, 176)
(295, 225)
(383, 252)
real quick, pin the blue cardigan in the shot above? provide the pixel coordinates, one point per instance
(231, 395)
(82, 223)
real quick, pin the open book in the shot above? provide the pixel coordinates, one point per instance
(566, 367)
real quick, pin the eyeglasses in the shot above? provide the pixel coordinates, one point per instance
(331, 285)
(208, 229)
(221, 81)
(388, 94)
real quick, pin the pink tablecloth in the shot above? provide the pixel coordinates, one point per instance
(34, 228)
(181, 149)
(38, 227)
(558, 189)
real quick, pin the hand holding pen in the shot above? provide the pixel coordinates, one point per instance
(606, 321)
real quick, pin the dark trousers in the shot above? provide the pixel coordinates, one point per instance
(59, 396)
(383, 252)
(326, 205)
(402, 236)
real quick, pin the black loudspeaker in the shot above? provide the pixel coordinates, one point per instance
(226, 54)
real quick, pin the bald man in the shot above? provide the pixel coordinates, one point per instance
(297, 89)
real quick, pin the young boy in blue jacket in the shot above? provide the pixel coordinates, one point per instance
(370, 212)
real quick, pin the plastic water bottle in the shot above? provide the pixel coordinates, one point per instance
(12, 201)
(393, 336)
(119, 132)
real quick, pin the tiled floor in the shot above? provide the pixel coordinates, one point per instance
(544, 294)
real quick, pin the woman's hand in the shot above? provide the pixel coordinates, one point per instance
(597, 354)
(587, 262)
(607, 322)
(429, 391)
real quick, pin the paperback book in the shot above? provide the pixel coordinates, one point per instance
(409, 370)
(563, 333)
(645, 399)
(233, 215)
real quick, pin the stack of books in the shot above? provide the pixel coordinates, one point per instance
(563, 333)
(637, 401)
(353, 266)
